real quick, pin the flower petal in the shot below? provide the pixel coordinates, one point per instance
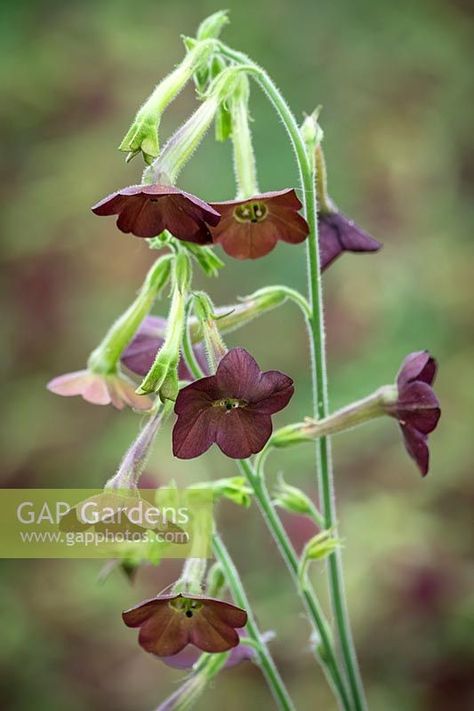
(418, 406)
(273, 393)
(338, 234)
(122, 392)
(210, 633)
(417, 366)
(241, 432)
(136, 616)
(193, 435)
(417, 447)
(196, 426)
(291, 227)
(238, 374)
(69, 384)
(165, 633)
(142, 349)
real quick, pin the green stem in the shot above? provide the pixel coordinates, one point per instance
(325, 650)
(327, 658)
(265, 660)
(319, 371)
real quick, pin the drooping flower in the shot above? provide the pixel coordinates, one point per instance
(190, 654)
(416, 407)
(148, 210)
(232, 408)
(142, 349)
(100, 389)
(170, 622)
(338, 234)
(250, 228)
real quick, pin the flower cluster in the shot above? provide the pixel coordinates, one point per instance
(227, 400)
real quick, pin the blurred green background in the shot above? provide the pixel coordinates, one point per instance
(393, 79)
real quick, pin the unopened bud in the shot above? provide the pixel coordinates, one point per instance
(212, 26)
(293, 499)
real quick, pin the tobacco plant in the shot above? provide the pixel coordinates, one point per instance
(180, 367)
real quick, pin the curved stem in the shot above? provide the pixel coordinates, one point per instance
(325, 649)
(265, 660)
(319, 372)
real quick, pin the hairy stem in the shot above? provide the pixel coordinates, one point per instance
(324, 648)
(319, 371)
(265, 660)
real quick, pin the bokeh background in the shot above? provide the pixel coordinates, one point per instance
(393, 79)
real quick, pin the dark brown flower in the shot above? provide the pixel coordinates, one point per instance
(232, 408)
(148, 210)
(169, 622)
(250, 228)
(338, 234)
(416, 408)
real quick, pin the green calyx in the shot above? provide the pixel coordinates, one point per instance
(162, 377)
(142, 137)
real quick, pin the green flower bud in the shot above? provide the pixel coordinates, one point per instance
(289, 435)
(234, 488)
(312, 132)
(317, 548)
(212, 26)
(293, 499)
(142, 137)
(162, 377)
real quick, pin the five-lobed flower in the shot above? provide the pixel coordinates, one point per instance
(232, 408)
(169, 622)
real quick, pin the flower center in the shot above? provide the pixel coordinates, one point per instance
(251, 212)
(229, 403)
(186, 606)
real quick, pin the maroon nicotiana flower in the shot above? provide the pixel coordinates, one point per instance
(142, 349)
(338, 234)
(148, 210)
(232, 408)
(98, 389)
(416, 408)
(250, 228)
(170, 622)
(242, 653)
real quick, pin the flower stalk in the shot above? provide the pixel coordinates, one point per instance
(265, 660)
(319, 370)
